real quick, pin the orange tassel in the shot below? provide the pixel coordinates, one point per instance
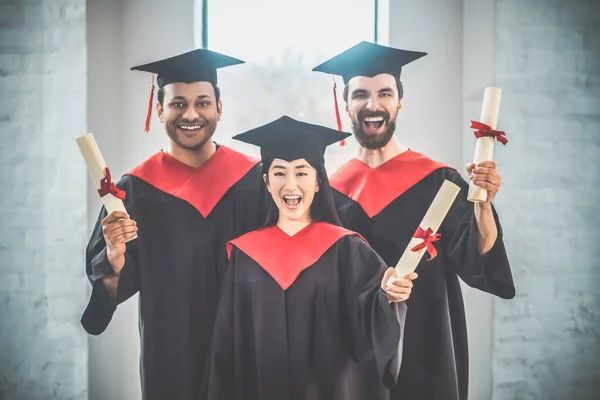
(149, 114)
(338, 120)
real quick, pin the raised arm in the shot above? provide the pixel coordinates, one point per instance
(475, 243)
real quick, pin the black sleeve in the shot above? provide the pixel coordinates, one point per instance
(491, 272)
(378, 326)
(221, 371)
(101, 306)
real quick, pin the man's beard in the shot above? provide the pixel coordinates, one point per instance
(373, 141)
(171, 129)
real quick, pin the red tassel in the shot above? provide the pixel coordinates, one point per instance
(149, 114)
(338, 120)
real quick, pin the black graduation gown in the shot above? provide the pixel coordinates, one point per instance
(394, 201)
(185, 217)
(298, 313)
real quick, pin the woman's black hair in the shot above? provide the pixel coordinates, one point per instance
(322, 208)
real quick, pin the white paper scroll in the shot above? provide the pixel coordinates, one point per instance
(97, 167)
(433, 219)
(484, 147)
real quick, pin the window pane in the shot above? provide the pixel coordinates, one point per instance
(267, 31)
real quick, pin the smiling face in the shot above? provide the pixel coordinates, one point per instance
(190, 112)
(373, 105)
(292, 186)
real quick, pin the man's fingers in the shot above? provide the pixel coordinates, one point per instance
(115, 216)
(112, 226)
(122, 231)
(484, 170)
(486, 179)
(397, 290)
(119, 231)
(491, 178)
(487, 164)
(116, 240)
(412, 276)
(402, 283)
(488, 187)
(124, 237)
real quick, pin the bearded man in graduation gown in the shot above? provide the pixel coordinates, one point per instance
(384, 194)
(184, 204)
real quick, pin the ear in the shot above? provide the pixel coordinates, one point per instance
(219, 109)
(159, 111)
(266, 182)
(399, 104)
(347, 110)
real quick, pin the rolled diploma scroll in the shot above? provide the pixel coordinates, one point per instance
(484, 147)
(97, 167)
(433, 218)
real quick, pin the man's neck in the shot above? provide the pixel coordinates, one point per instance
(193, 158)
(377, 157)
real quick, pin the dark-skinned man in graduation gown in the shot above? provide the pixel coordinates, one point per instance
(384, 193)
(184, 203)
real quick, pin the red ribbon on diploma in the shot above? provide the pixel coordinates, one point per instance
(484, 130)
(428, 238)
(108, 186)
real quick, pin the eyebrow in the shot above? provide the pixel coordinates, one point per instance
(282, 167)
(358, 91)
(201, 97)
(363, 91)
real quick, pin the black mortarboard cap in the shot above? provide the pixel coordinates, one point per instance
(290, 139)
(198, 65)
(368, 59)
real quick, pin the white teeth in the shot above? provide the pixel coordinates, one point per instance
(292, 197)
(374, 119)
(190, 127)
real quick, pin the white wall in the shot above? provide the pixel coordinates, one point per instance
(113, 356)
(43, 350)
(431, 117)
(477, 73)
(547, 61)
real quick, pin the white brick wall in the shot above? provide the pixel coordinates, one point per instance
(43, 350)
(547, 340)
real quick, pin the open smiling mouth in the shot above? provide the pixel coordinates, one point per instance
(292, 201)
(190, 129)
(373, 123)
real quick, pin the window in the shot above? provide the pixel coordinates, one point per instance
(281, 41)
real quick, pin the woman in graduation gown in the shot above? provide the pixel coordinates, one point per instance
(304, 300)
